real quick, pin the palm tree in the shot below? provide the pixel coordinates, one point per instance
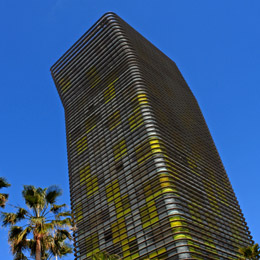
(44, 226)
(58, 245)
(104, 256)
(250, 252)
(3, 196)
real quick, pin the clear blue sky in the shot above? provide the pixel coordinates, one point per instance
(215, 44)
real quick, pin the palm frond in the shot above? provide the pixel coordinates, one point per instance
(57, 208)
(31, 244)
(34, 198)
(49, 226)
(250, 252)
(18, 241)
(65, 249)
(62, 223)
(3, 183)
(53, 192)
(14, 232)
(21, 213)
(64, 214)
(20, 256)
(37, 220)
(58, 247)
(63, 234)
(8, 219)
(256, 251)
(13, 218)
(3, 199)
(23, 234)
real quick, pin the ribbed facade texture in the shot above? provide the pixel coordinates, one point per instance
(146, 180)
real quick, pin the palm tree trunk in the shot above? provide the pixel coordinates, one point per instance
(38, 250)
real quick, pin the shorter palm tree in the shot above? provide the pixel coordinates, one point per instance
(250, 252)
(58, 247)
(44, 226)
(3, 196)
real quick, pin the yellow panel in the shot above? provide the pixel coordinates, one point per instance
(132, 238)
(158, 193)
(181, 236)
(176, 224)
(91, 181)
(92, 77)
(116, 240)
(151, 203)
(124, 242)
(120, 150)
(153, 254)
(143, 158)
(154, 146)
(146, 224)
(114, 120)
(120, 220)
(163, 179)
(142, 99)
(153, 214)
(141, 95)
(135, 256)
(165, 184)
(122, 225)
(127, 253)
(149, 198)
(84, 171)
(115, 184)
(151, 206)
(169, 190)
(161, 250)
(117, 195)
(81, 144)
(127, 211)
(65, 84)
(154, 141)
(175, 218)
(154, 220)
(79, 216)
(90, 125)
(110, 93)
(156, 150)
(135, 120)
(117, 200)
(125, 247)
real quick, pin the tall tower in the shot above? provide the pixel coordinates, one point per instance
(146, 180)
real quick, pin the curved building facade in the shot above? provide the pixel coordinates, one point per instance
(146, 180)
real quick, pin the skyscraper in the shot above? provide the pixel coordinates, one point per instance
(146, 180)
